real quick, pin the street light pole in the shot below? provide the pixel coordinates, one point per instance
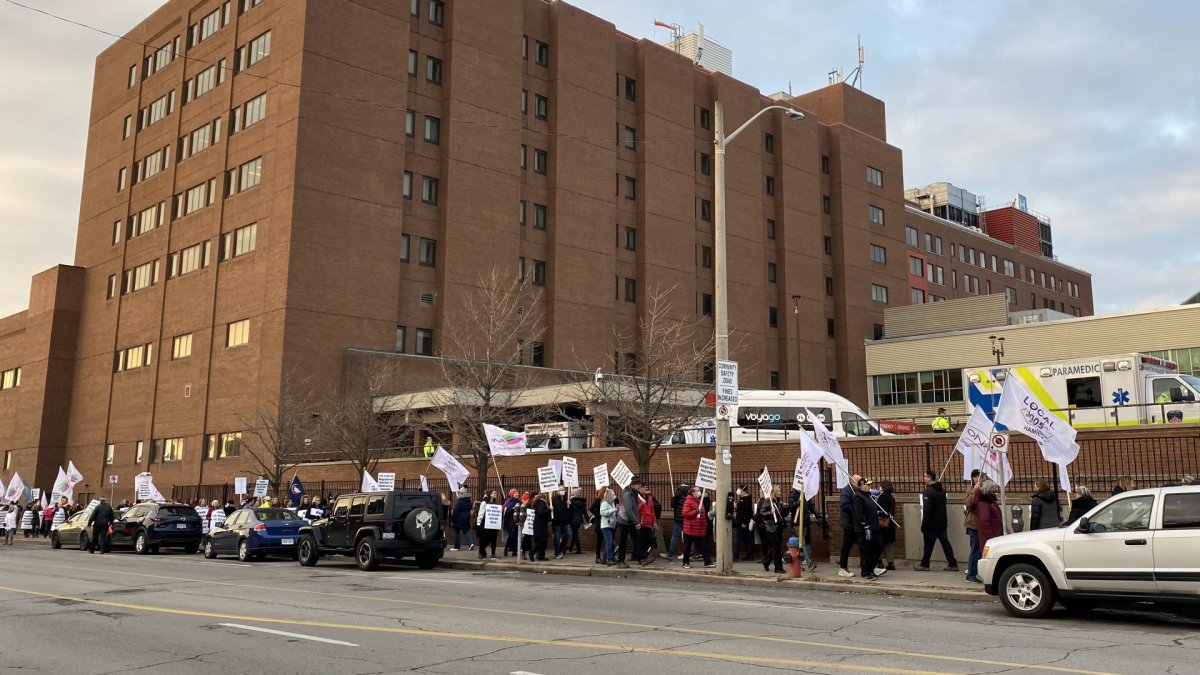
(723, 529)
(997, 349)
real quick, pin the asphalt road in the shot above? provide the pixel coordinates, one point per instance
(70, 612)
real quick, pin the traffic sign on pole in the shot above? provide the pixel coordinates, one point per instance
(727, 382)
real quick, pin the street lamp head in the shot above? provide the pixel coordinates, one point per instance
(794, 114)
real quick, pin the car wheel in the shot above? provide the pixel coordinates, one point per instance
(306, 552)
(365, 554)
(54, 542)
(141, 543)
(427, 561)
(191, 549)
(83, 541)
(1026, 592)
(1078, 605)
(244, 554)
(209, 551)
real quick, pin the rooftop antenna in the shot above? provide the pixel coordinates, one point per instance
(835, 75)
(856, 74)
(699, 41)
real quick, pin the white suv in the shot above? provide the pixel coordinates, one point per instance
(1136, 546)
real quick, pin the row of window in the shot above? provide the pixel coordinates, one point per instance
(437, 11)
(983, 260)
(163, 449)
(423, 345)
(197, 33)
(927, 386)
(541, 51)
(426, 251)
(433, 67)
(541, 159)
(204, 81)
(540, 215)
(429, 188)
(432, 130)
(208, 25)
(538, 269)
(10, 378)
(133, 358)
(541, 105)
(233, 244)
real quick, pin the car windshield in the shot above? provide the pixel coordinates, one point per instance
(176, 511)
(275, 514)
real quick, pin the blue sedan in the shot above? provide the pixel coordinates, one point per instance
(255, 533)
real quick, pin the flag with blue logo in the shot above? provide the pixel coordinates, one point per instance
(296, 491)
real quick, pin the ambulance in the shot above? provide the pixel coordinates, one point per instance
(1104, 391)
(554, 436)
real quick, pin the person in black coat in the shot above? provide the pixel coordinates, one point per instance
(100, 520)
(849, 532)
(460, 518)
(579, 509)
(743, 514)
(887, 523)
(561, 519)
(1044, 510)
(541, 526)
(864, 514)
(681, 495)
(1081, 503)
(934, 522)
(770, 519)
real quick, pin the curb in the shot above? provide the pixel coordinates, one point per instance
(817, 583)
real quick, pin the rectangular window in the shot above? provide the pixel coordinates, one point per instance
(188, 260)
(258, 49)
(181, 346)
(237, 333)
(935, 274)
(918, 296)
(108, 454)
(195, 198)
(424, 342)
(772, 317)
(542, 54)
(541, 107)
(705, 164)
(410, 123)
(429, 190)
(252, 112)
(433, 129)
(537, 354)
(706, 304)
(771, 273)
(875, 214)
(874, 176)
(427, 253)
(828, 243)
(770, 228)
(222, 446)
(630, 187)
(146, 220)
(706, 257)
(1009, 269)
(541, 161)
(706, 210)
(830, 327)
(412, 63)
(937, 245)
(524, 156)
(137, 278)
(401, 335)
(133, 358)
(769, 185)
(1010, 294)
(408, 184)
(630, 290)
(132, 76)
(630, 89)
(433, 70)
(238, 242)
(171, 449)
(916, 267)
(404, 256)
(769, 143)
(825, 164)
(630, 138)
(127, 128)
(122, 178)
(910, 236)
(437, 11)
(111, 291)
(157, 110)
(879, 293)
(539, 216)
(828, 285)
(878, 254)
(415, 8)
(826, 205)
(705, 118)
(10, 379)
(539, 273)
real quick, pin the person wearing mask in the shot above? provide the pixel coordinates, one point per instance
(1044, 510)
(681, 495)
(743, 534)
(864, 514)
(934, 522)
(561, 519)
(988, 518)
(540, 511)
(849, 531)
(647, 520)
(100, 520)
(770, 519)
(607, 519)
(460, 519)
(1081, 502)
(695, 528)
(510, 523)
(886, 501)
(485, 536)
(973, 529)
(579, 510)
(627, 522)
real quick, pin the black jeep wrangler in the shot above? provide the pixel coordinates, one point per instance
(372, 526)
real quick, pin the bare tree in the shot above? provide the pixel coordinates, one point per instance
(654, 389)
(277, 435)
(484, 354)
(354, 430)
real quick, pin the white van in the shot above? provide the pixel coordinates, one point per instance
(765, 415)
(554, 436)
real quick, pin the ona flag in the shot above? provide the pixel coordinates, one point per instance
(62, 486)
(1022, 410)
(455, 472)
(16, 488)
(73, 474)
(975, 445)
(807, 477)
(832, 450)
(503, 442)
(369, 484)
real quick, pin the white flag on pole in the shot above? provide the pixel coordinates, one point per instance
(455, 472)
(503, 442)
(62, 486)
(1021, 410)
(807, 477)
(16, 487)
(369, 484)
(73, 474)
(975, 445)
(832, 450)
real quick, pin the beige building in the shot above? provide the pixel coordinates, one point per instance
(917, 367)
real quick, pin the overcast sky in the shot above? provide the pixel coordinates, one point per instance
(1087, 107)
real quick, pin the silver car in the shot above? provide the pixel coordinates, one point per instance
(1141, 545)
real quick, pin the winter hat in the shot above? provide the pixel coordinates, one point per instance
(512, 492)
(524, 497)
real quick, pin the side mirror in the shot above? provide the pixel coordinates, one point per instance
(1084, 525)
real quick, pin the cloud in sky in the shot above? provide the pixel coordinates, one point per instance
(1089, 108)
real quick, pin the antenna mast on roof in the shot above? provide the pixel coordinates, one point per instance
(856, 74)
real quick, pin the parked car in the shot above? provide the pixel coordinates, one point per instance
(73, 530)
(1140, 545)
(255, 533)
(148, 526)
(376, 525)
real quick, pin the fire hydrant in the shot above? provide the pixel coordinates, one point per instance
(794, 560)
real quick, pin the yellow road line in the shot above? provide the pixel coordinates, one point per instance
(558, 617)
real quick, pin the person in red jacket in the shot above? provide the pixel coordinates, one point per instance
(695, 527)
(988, 518)
(646, 522)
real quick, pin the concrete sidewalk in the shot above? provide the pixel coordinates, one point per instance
(904, 581)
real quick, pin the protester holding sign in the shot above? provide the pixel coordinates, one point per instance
(770, 517)
(606, 521)
(488, 531)
(743, 524)
(695, 527)
(647, 520)
(865, 515)
(578, 506)
(539, 510)
(510, 523)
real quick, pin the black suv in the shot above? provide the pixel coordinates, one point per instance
(372, 526)
(146, 527)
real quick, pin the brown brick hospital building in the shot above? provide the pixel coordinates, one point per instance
(270, 183)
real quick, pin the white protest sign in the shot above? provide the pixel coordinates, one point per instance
(144, 490)
(570, 472)
(387, 481)
(807, 476)
(547, 479)
(218, 519)
(60, 516)
(764, 482)
(92, 504)
(35, 493)
(622, 474)
(424, 484)
(202, 511)
(527, 528)
(706, 475)
(600, 475)
(493, 516)
(261, 486)
(27, 520)
(239, 485)
(558, 467)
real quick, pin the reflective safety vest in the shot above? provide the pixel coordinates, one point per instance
(429, 449)
(941, 423)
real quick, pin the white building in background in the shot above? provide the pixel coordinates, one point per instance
(703, 51)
